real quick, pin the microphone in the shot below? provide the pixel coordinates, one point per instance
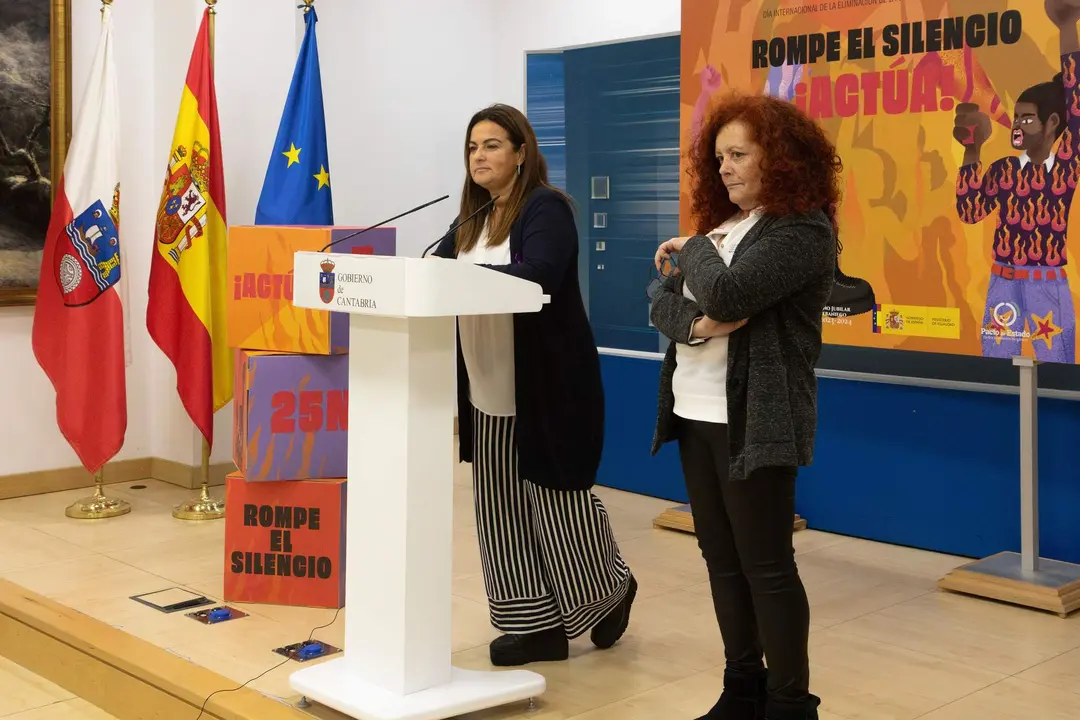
(454, 229)
(364, 230)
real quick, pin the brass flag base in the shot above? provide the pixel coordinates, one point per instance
(97, 506)
(203, 507)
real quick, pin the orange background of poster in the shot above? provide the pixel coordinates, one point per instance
(328, 541)
(898, 220)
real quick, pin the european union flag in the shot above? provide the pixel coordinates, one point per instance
(296, 190)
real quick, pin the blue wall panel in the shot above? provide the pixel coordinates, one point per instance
(927, 468)
(545, 106)
(630, 388)
(622, 123)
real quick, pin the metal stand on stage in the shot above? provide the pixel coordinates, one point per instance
(1023, 578)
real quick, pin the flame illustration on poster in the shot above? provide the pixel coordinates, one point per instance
(261, 312)
(958, 122)
(291, 416)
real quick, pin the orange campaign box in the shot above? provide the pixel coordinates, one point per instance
(260, 313)
(285, 542)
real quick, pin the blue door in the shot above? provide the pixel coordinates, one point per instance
(622, 165)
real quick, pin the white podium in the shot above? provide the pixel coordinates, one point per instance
(396, 661)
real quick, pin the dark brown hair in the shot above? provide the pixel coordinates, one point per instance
(533, 174)
(800, 169)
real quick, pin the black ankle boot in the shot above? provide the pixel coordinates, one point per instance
(543, 646)
(743, 698)
(781, 710)
(608, 631)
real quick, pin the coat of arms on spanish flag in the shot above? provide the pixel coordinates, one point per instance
(186, 311)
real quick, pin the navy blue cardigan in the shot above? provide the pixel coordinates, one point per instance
(559, 394)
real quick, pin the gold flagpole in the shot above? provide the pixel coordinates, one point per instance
(210, 29)
(98, 506)
(203, 507)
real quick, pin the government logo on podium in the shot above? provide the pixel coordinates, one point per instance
(326, 281)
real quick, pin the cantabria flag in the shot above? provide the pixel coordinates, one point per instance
(79, 335)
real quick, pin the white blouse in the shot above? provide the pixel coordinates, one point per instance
(487, 343)
(700, 380)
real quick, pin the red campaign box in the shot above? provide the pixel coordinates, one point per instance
(291, 416)
(285, 542)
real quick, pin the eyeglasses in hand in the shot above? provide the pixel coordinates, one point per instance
(667, 268)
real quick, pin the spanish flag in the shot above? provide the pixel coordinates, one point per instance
(185, 313)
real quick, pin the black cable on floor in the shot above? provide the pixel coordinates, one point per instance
(311, 636)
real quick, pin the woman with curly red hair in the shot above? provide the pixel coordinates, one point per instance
(737, 386)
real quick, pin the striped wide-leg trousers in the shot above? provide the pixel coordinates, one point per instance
(549, 557)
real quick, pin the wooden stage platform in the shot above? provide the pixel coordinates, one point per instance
(679, 518)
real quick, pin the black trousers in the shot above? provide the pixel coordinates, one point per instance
(744, 530)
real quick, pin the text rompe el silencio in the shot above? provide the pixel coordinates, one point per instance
(907, 86)
(280, 559)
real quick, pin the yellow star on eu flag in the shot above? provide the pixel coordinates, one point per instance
(323, 177)
(293, 153)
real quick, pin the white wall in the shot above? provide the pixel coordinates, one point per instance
(30, 439)
(558, 24)
(255, 50)
(400, 80)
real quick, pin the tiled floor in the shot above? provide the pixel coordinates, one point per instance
(885, 645)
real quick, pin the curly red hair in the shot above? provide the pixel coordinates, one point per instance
(800, 169)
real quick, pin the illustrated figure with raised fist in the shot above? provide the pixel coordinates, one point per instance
(1030, 196)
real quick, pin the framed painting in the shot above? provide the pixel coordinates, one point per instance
(35, 129)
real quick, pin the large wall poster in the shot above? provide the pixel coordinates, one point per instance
(958, 122)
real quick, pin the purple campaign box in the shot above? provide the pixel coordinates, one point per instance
(291, 416)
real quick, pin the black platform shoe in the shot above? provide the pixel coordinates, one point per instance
(608, 631)
(543, 646)
(743, 698)
(850, 295)
(806, 710)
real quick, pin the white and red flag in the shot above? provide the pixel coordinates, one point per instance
(80, 334)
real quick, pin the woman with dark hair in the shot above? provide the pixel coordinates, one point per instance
(737, 386)
(531, 409)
